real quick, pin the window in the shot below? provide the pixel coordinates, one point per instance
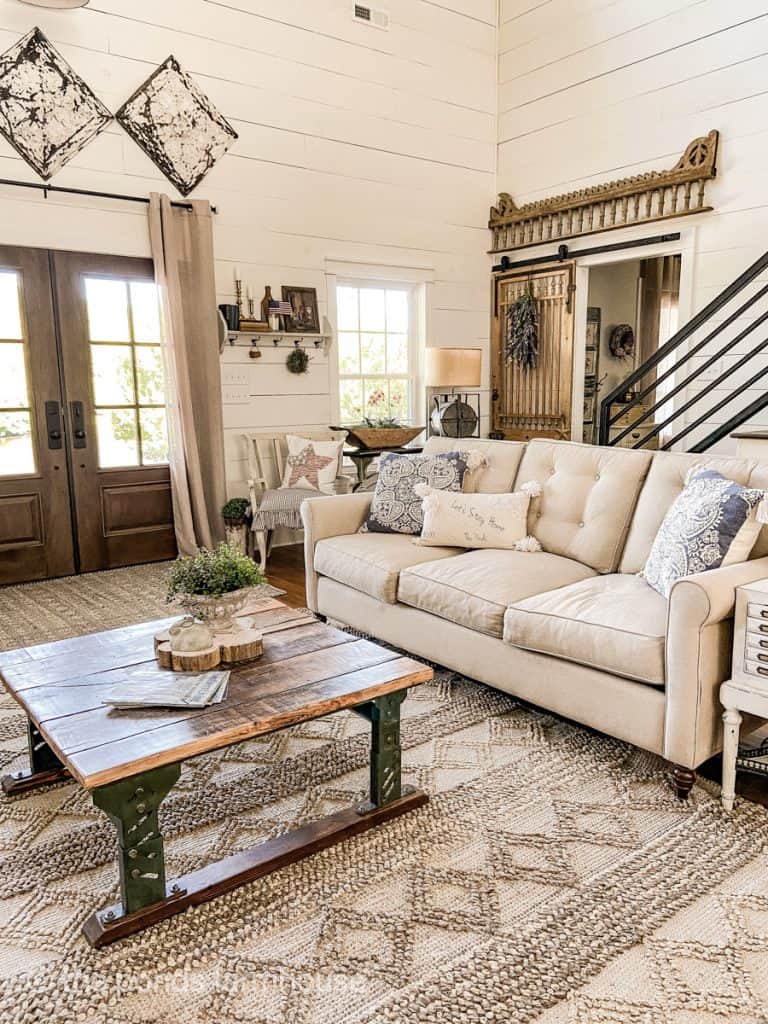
(17, 455)
(127, 375)
(375, 351)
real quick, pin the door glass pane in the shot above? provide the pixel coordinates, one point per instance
(372, 309)
(107, 302)
(397, 311)
(154, 436)
(372, 353)
(118, 437)
(112, 368)
(150, 376)
(10, 310)
(346, 308)
(13, 377)
(145, 311)
(17, 454)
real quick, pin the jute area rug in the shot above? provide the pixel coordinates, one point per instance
(552, 878)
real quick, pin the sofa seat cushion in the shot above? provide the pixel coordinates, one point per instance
(474, 589)
(614, 623)
(372, 562)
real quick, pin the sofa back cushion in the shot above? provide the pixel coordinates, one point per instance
(665, 481)
(587, 499)
(503, 458)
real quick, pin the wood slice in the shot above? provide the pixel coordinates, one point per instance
(199, 661)
(240, 645)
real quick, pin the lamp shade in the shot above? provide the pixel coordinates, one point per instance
(453, 367)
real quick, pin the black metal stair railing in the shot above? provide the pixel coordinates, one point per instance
(608, 418)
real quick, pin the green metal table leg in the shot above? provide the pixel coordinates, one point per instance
(132, 805)
(41, 757)
(44, 766)
(384, 716)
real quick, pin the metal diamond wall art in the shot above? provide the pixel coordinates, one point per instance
(177, 126)
(47, 112)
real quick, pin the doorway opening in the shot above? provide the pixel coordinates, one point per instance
(84, 477)
(632, 309)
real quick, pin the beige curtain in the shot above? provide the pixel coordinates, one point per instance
(182, 250)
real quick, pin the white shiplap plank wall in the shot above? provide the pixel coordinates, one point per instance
(355, 144)
(602, 89)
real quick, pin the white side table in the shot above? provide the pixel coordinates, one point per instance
(747, 689)
(737, 698)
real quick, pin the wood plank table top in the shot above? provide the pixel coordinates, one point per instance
(308, 670)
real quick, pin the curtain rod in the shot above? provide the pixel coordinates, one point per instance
(87, 192)
(563, 253)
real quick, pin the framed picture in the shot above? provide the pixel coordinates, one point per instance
(590, 362)
(593, 327)
(589, 408)
(304, 316)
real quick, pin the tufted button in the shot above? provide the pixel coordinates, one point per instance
(538, 515)
(597, 476)
(581, 524)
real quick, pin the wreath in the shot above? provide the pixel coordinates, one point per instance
(622, 341)
(523, 331)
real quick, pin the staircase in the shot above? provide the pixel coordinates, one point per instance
(638, 427)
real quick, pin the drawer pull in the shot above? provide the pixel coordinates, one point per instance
(761, 657)
(764, 613)
(761, 670)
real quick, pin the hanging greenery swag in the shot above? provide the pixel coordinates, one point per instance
(523, 331)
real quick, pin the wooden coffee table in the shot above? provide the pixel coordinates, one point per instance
(130, 760)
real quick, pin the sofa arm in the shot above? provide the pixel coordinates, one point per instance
(698, 658)
(332, 516)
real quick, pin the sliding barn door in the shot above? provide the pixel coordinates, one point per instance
(534, 402)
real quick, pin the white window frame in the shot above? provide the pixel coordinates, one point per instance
(416, 283)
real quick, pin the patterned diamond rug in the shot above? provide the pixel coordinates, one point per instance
(553, 877)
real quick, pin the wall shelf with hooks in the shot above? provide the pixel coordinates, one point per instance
(279, 339)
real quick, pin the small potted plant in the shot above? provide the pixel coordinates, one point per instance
(214, 585)
(235, 514)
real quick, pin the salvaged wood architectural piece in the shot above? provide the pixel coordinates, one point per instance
(656, 195)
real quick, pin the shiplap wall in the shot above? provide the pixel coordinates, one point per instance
(356, 144)
(602, 89)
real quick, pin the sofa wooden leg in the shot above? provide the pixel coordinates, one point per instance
(682, 780)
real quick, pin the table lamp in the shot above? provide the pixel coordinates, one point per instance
(453, 415)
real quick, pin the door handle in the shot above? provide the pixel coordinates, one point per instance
(53, 425)
(79, 435)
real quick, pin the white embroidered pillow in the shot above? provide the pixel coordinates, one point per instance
(312, 465)
(478, 520)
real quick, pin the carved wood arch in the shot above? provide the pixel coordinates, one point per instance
(653, 196)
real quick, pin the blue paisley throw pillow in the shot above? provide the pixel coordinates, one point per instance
(396, 507)
(713, 522)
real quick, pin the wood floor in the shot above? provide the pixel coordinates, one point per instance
(286, 570)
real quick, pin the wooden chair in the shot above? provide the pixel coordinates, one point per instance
(272, 504)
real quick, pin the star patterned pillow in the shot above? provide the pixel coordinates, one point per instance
(312, 465)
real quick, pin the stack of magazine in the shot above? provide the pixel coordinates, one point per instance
(154, 687)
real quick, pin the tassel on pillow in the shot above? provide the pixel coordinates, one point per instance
(762, 510)
(532, 489)
(528, 543)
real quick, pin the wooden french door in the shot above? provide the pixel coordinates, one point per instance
(84, 480)
(534, 402)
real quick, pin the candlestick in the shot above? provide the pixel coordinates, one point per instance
(239, 295)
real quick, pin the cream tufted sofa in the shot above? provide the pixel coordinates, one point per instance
(572, 628)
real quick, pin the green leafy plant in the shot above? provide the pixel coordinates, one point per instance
(213, 573)
(297, 361)
(236, 510)
(523, 331)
